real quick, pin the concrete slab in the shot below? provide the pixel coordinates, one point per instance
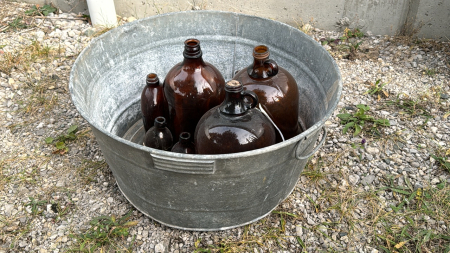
(424, 18)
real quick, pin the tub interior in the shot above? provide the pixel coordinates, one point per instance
(109, 75)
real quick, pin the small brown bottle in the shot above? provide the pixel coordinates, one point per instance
(191, 88)
(276, 89)
(234, 126)
(152, 101)
(184, 144)
(159, 136)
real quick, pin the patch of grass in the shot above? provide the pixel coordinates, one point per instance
(443, 160)
(359, 119)
(14, 170)
(38, 51)
(42, 99)
(22, 58)
(313, 170)
(45, 10)
(429, 72)
(417, 209)
(103, 235)
(353, 204)
(411, 107)
(60, 142)
(8, 61)
(270, 236)
(89, 169)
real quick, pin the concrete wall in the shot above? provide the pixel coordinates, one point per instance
(424, 18)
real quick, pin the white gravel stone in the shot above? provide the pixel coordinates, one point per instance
(159, 248)
(353, 179)
(372, 150)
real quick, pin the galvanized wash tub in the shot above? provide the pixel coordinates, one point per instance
(200, 192)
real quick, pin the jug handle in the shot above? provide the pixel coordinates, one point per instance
(273, 66)
(324, 135)
(253, 96)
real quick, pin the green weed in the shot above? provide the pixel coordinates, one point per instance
(429, 72)
(61, 141)
(359, 119)
(377, 89)
(442, 161)
(411, 107)
(35, 204)
(352, 33)
(17, 24)
(329, 41)
(41, 11)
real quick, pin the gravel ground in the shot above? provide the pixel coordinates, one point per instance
(371, 193)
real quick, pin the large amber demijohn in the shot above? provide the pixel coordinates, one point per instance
(276, 89)
(234, 126)
(191, 88)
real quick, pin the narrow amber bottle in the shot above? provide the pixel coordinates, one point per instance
(152, 101)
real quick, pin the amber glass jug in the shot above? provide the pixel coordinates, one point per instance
(191, 88)
(159, 136)
(184, 144)
(234, 126)
(276, 89)
(152, 101)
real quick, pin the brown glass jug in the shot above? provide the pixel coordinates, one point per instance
(191, 88)
(159, 136)
(184, 144)
(276, 89)
(152, 101)
(234, 126)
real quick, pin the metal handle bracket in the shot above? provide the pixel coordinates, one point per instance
(314, 150)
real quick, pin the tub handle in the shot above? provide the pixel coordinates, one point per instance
(183, 165)
(324, 129)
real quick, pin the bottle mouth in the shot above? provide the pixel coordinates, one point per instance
(234, 86)
(261, 52)
(160, 121)
(185, 136)
(192, 48)
(152, 78)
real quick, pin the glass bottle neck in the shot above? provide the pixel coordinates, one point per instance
(184, 138)
(259, 63)
(198, 60)
(152, 80)
(160, 123)
(233, 104)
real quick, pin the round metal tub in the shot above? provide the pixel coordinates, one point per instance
(200, 192)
